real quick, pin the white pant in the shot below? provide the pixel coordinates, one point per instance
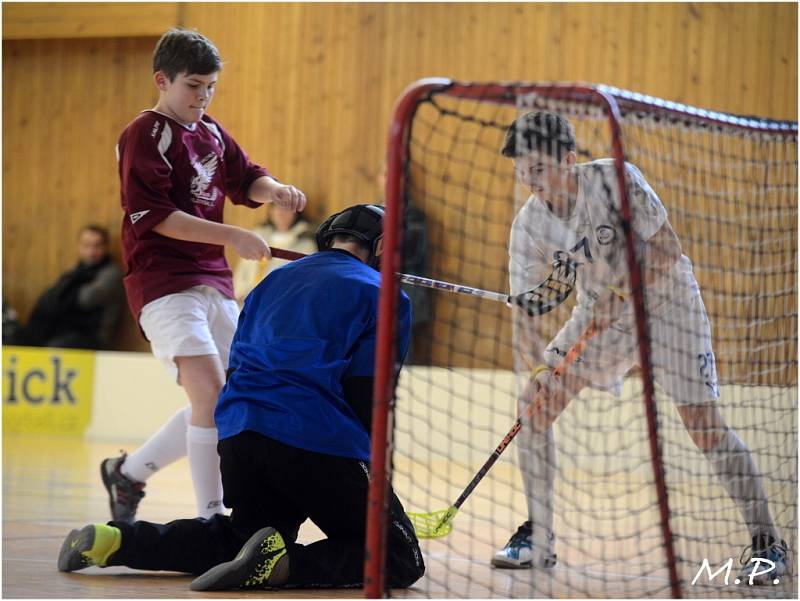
(681, 353)
(197, 321)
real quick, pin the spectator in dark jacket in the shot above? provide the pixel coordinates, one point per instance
(82, 309)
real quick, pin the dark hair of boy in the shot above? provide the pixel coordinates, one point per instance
(541, 131)
(185, 51)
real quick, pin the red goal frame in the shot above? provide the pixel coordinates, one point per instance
(614, 102)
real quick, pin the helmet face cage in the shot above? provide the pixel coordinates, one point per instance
(364, 222)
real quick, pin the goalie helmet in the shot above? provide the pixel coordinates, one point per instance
(364, 222)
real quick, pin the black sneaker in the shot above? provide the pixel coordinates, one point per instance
(123, 493)
(261, 563)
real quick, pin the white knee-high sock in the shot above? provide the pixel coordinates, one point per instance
(738, 474)
(164, 447)
(537, 458)
(204, 464)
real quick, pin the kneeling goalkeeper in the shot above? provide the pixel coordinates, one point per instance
(294, 423)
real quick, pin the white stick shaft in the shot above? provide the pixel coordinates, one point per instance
(416, 280)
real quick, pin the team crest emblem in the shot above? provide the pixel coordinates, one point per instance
(606, 234)
(201, 187)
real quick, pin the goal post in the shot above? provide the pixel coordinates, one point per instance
(729, 186)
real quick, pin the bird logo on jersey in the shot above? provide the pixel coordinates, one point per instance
(205, 169)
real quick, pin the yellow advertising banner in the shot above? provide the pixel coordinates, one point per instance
(47, 390)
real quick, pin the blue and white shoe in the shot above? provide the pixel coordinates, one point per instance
(519, 553)
(761, 573)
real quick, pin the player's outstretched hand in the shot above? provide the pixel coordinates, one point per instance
(287, 196)
(250, 245)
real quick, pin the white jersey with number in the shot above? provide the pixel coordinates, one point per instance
(592, 239)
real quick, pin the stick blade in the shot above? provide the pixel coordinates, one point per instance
(436, 524)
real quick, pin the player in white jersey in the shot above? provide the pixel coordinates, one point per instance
(573, 214)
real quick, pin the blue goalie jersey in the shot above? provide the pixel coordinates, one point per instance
(305, 329)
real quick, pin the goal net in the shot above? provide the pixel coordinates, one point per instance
(637, 508)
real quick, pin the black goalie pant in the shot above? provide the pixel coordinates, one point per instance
(268, 483)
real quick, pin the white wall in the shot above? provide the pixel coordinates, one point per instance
(133, 397)
(462, 414)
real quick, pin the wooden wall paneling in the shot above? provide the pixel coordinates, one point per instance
(523, 26)
(408, 43)
(728, 60)
(326, 129)
(691, 22)
(386, 95)
(724, 54)
(474, 32)
(65, 103)
(579, 48)
(403, 59)
(747, 62)
(471, 31)
(15, 212)
(308, 90)
(547, 27)
(768, 61)
(613, 29)
(773, 46)
(320, 96)
(577, 55)
(640, 57)
(364, 157)
(323, 97)
(701, 56)
(784, 96)
(720, 48)
(420, 25)
(674, 49)
(766, 52)
(302, 147)
(438, 41)
(667, 37)
(54, 20)
(28, 137)
(346, 108)
(371, 129)
(602, 46)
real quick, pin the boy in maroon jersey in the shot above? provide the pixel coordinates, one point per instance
(176, 165)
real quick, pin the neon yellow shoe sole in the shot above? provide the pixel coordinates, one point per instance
(261, 563)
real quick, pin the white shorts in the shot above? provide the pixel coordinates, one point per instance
(681, 352)
(197, 321)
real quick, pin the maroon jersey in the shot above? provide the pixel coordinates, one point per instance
(164, 167)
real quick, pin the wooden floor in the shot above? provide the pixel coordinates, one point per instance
(51, 485)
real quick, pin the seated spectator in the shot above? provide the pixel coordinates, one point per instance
(82, 309)
(284, 229)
